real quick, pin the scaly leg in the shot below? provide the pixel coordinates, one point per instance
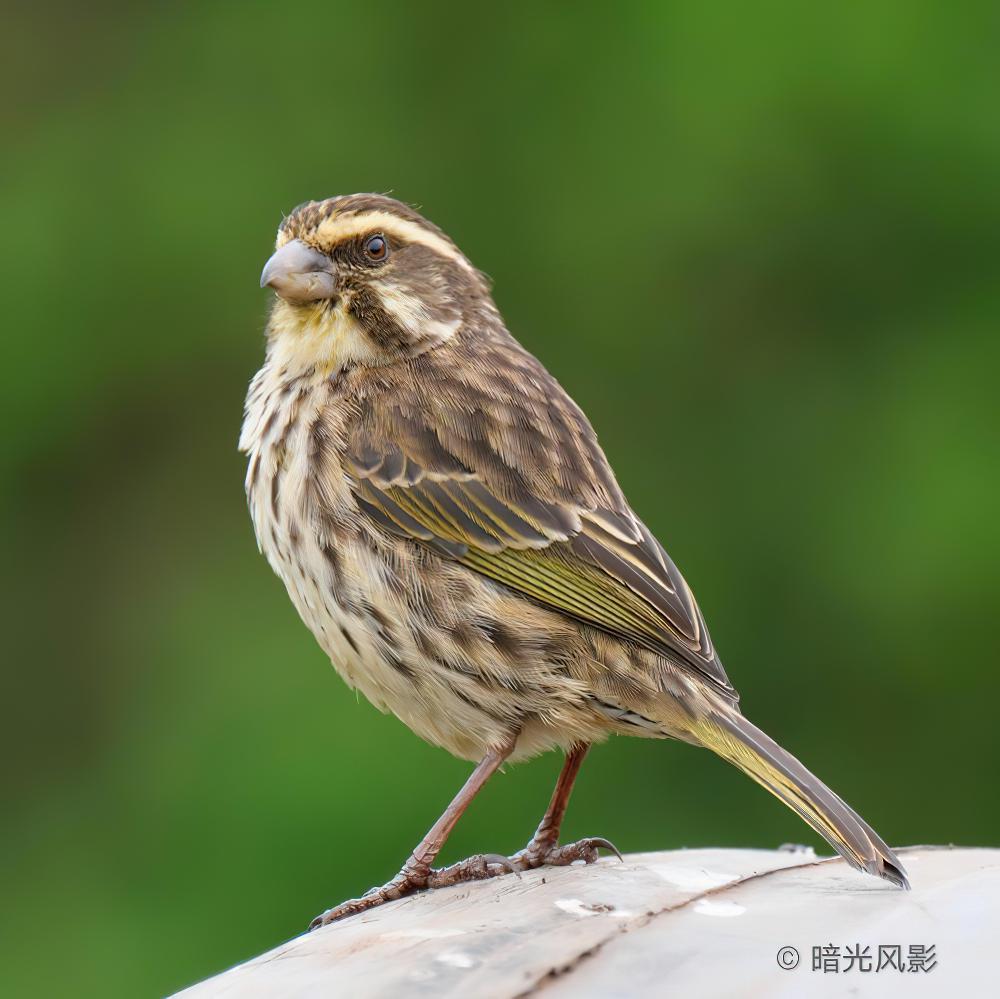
(416, 873)
(544, 845)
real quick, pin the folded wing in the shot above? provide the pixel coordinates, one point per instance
(503, 474)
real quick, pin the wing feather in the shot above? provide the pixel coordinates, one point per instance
(503, 473)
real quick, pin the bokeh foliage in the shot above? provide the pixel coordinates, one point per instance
(758, 243)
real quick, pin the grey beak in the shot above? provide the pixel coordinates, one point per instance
(299, 274)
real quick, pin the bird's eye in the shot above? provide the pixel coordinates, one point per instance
(376, 248)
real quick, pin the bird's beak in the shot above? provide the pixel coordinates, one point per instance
(299, 274)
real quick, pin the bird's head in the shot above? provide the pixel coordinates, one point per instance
(364, 279)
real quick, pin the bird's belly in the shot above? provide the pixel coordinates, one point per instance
(423, 659)
(356, 592)
(338, 576)
(369, 631)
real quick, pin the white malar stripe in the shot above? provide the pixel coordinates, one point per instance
(334, 229)
(409, 312)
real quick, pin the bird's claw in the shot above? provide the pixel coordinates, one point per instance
(499, 860)
(478, 868)
(416, 878)
(408, 881)
(605, 844)
(539, 854)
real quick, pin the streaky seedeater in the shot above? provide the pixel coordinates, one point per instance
(450, 530)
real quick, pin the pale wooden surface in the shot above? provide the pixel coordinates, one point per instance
(696, 923)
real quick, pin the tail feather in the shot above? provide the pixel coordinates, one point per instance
(737, 740)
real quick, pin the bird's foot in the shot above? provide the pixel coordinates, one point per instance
(413, 878)
(478, 868)
(409, 880)
(538, 853)
(542, 852)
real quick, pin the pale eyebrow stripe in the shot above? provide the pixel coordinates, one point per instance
(335, 229)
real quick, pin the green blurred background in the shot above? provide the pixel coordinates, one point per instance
(758, 243)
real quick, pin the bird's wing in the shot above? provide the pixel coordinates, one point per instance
(497, 468)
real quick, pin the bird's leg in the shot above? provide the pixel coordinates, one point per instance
(416, 872)
(547, 834)
(544, 845)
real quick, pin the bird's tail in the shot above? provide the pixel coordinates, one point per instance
(726, 732)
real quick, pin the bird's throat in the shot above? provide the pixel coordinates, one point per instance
(319, 337)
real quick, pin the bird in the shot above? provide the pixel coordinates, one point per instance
(450, 530)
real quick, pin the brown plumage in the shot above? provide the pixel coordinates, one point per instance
(451, 531)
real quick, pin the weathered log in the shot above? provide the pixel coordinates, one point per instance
(686, 923)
